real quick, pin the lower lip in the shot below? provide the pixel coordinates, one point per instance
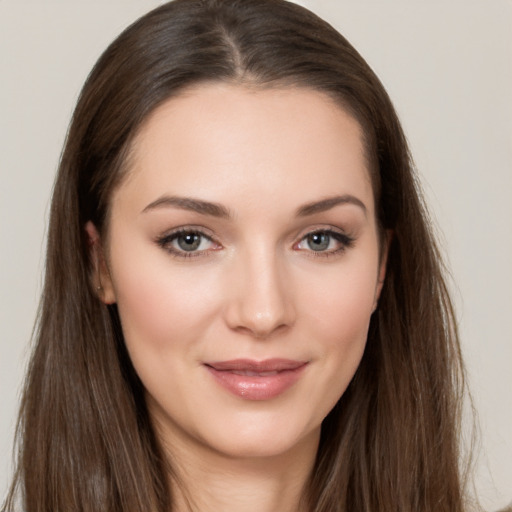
(254, 387)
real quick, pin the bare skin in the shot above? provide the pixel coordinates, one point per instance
(270, 484)
(243, 255)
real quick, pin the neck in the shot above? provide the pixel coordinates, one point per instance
(208, 482)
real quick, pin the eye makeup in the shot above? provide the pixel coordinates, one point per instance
(187, 242)
(193, 241)
(324, 243)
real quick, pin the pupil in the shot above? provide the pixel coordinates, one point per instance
(189, 242)
(318, 241)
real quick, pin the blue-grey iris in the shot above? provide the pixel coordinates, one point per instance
(189, 242)
(318, 241)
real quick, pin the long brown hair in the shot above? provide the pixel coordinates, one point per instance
(85, 438)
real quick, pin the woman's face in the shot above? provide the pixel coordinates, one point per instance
(243, 256)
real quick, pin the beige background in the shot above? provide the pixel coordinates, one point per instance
(448, 67)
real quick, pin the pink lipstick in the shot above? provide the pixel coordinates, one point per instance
(256, 380)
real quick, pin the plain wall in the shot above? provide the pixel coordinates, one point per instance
(448, 68)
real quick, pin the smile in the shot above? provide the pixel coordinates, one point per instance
(256, 380)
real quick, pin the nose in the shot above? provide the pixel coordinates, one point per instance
(261, 298)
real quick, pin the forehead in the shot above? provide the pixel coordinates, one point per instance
(218, 138)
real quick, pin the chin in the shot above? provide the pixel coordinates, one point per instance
(259, 439)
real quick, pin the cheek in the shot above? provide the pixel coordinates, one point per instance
(340, 302)
(161, 306)
(338, 315)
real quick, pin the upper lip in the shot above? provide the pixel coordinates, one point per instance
(268, 365)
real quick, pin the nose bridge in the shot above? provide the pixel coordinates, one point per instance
(261, 302)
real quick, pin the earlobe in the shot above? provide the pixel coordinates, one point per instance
(100, 277)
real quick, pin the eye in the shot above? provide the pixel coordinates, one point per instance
(325, 241)
(187, 242)
(318, 241)
(190, 241)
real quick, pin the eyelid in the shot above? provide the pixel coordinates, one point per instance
(345, 240)
(323, 228)
(165, 240)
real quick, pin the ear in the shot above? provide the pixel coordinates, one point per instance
(386, 242)
(100, 279)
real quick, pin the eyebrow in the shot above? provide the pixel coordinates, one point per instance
(190, 204)
(328, 203)
(218, 210)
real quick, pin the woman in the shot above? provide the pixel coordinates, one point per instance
(244, 306)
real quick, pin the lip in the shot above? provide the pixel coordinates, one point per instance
(256, 380)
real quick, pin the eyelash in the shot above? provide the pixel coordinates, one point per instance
(345, 241)
(165, 241)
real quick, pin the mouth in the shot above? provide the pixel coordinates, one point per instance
(256, 380)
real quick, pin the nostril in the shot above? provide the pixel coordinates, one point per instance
(258, 324)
